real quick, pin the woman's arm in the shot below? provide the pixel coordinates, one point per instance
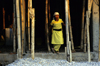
(50, 27)
(63, 24)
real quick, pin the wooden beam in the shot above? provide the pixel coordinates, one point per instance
(23, 23)
(24, 27)
(88, 13)
(46, 26)
(85, 38)
(69, 17)
(88, 36)
(70, 51)
(14, 26)
(18, 29)
(82, 24)
(49, 11)
(67, 28)
(33, 35)
(29, 24)
(3, 18)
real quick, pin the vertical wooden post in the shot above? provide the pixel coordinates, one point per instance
(67, 28)
(14, 27)
(3, 18)
(70, 51)
(18, 28)
(85, 43)
(88, 13)
(82, 24)
(23, 23)
(88, 36)
(49, 10)
(46, 26)
(29, 24)
(33, 34)
(24, 28)
(70, 26)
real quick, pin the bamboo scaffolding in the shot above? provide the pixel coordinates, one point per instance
(46, 26)
(67, 29)
(18, 29)
(3, 18)
(23, 22)
(29, 24)
(70, 26)
(33, 34)
(14, 27)
(82, 24)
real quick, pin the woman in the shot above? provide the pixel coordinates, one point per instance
(57, 35)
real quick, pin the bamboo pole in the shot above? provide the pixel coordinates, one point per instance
(49, 10)
(3, 18)
(23, 23)
(85, 39)
(46, 26)
(70, 26)
(14, 27)
(24, 27)
(70, 51)
(18, 28)
(67, 28)
(88, 13)
(33, 34)
(82, 24)
(29, 24)
(88, 36)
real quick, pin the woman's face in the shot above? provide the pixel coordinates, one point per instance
(57, 16)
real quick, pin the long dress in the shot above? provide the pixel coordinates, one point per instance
(57, 36)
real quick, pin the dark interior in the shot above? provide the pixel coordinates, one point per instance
(39, 5)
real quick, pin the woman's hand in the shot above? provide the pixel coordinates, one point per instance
(64, 24)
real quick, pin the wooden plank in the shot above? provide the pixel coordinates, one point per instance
(46, 26)
(82, 24)
(18, 29)
(67, 28)
(14, 27)
(33, 35)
